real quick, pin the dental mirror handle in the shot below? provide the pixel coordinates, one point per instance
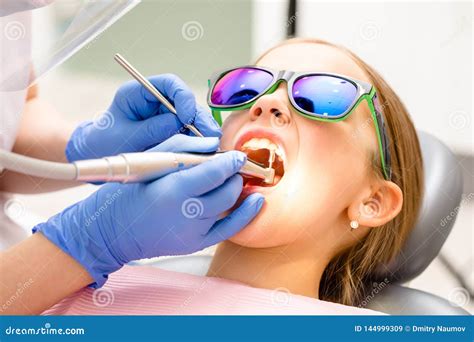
(144, 82)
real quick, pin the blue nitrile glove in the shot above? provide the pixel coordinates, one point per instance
(176, 214)
(136, 120)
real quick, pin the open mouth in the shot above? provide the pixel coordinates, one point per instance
(266, 153)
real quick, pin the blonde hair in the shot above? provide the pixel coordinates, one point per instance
(344, 278)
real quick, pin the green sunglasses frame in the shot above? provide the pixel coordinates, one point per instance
(365, 91)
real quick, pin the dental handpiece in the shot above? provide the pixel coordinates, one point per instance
(140, 167)
(123, 168)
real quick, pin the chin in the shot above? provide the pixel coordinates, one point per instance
(258, 233)
(274, 224)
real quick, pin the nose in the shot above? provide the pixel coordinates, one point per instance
(273, 108)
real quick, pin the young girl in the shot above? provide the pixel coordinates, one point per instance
(346, 194)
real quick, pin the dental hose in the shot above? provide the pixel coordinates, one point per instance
(123, 168)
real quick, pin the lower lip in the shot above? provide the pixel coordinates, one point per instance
(249, 189)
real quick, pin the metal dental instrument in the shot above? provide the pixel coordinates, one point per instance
(144, 82)
(124, 168)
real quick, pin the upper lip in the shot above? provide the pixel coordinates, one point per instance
(261, 133)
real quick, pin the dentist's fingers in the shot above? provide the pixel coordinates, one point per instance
(223, 198)
(134, 102)
(235, 221)
(154, 130)
(188, 111)
(209, 175)
(138, 103)
(205, 123)
(186, 143)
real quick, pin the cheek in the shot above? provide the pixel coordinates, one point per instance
(229, 130)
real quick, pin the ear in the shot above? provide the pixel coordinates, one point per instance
(381, 206)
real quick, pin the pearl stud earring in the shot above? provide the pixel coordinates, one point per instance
(354, 224)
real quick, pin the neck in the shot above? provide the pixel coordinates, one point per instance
(285, 267)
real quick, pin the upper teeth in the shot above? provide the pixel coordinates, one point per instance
(258, 143)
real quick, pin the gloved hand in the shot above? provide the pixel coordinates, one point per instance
(136, 120)
(176, 214)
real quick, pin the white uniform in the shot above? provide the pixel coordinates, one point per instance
(15, 51)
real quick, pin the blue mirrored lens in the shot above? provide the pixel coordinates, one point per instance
(240, 85)
(324, 95)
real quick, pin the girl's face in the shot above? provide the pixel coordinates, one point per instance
(323, 166)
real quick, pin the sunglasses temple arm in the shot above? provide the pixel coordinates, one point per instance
(381, 135)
